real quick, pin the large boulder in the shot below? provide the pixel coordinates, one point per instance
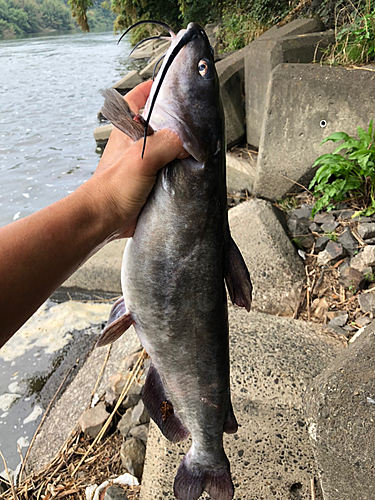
(341, 413)
(276, 271)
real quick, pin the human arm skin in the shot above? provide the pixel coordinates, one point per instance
(39, 252)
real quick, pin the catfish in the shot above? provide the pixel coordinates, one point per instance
(176, 263)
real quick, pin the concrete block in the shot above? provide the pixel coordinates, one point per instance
(274, 47)
(128, 82)
(276, 271)
(101, 134)
(149, 49)
(101, 272)
(273, 361)
(148, 70)
(305, 104)
(340, 411)
(296, 27)
(231, 77)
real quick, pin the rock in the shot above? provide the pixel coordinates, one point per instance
(140, 414)
(114, 492)
(364, 259)
(345, 215)
(367, 302)
(129, 362)
(329, 227)
(351, 278)
(128, 82)
(347, 240)
(133, 453)
(277, 272)
(340, 416)
(314, 228)
(125, 424)
(130, 401)
(370, 241)
(339, 320)
(366, 230)
(302, 212)
(337, 330)
(321, 243)
(140, 432)
(306, 241)
(91, 421)
(332, 253)
(319, 307)
(117, 383)
(324, 218)
(363, 321)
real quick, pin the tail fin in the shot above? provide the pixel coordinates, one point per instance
(191, 480)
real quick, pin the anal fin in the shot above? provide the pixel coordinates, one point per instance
(160, 408)
(118, 322)
(237, 277)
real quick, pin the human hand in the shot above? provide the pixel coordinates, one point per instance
(123, 179)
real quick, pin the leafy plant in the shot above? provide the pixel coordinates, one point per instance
(352, 172)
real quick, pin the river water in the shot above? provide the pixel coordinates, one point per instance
(49, 98)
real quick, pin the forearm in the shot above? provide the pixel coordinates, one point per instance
(38, 253)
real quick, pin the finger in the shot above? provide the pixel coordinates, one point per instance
(161, 148)
(137, 97)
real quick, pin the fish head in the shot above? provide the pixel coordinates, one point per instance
(185, 96)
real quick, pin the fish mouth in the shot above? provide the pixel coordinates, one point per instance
(192, 32)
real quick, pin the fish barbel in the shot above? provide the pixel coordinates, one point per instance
(175, 265)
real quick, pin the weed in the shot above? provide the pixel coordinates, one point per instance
(238, 28)
(332, 236)
(351, 172)
(287, 204)
(355, 40)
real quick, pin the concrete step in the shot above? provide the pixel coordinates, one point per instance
(273, 361)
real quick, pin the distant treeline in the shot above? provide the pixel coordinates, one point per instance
(34, 16)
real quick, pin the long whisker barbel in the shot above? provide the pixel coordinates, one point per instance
(156, 65)
(159, 23)
(158, 37)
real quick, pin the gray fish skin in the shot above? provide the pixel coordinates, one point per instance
(173, 276)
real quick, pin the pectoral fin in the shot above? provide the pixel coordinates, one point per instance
(118, 322)
(237, 277)
(118, 112)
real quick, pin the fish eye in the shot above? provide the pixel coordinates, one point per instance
(204, 68)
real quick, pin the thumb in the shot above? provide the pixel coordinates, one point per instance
(161, 148)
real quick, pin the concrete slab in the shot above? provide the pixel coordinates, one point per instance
(306, 103)
(101, 272)
(273, 361)
(66, 411)
(341, 411)
(276, 271)
(296, 42)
